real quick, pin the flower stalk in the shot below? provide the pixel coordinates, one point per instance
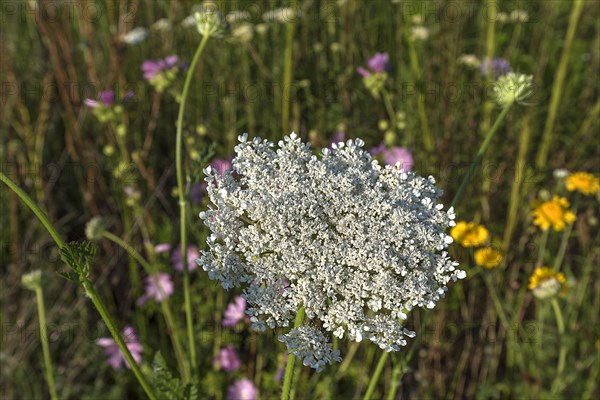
(291, 361)
(87, 284)
(183, 204)
(480, 153)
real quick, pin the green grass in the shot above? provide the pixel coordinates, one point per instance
(52, 146)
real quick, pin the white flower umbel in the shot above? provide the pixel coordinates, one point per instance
(311, 346)
(356, 244)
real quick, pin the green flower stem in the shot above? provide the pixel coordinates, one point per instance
(91, 292)
(291, 361)
(416, 70)
(165, 307)
(287, 70)
(375, 376)
(183, 204)
(558, 85)
(86, 284)
(543, 241)
(562, 355)
(480, 153)
(390, 110)
(565, 239)
(33, 207)
(496, 300)
(517, 184)
(39, 295)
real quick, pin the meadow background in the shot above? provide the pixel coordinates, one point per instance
(477, 342)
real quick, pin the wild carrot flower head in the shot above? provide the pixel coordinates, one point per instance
(242, 389)
(356, 244)
(113, 353)
(158, 288)
(192, 256)
(553, 213)
(545, 282)
(488, 257)
(469, 234)
(235, 312)
(227, 360)
(34, 280)
(497, 66)
(583, 182)
(210, 21)
(513, 87)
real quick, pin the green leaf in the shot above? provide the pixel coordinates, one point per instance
(79, 256)
(70, 276)
(169, 387)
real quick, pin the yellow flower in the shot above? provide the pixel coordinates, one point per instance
(583, 182)
(545, 282)
(488, 257)
(553, 213)
(469, 234)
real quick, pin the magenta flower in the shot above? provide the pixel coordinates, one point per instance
(152, 68)
(377, 63)
(235, 312)
(112, 351)
(221, 165)
(158, 287)
(242, 389)
(162, 247)
(192, 255)
(395, 155)
(106, 98)
(227, 360)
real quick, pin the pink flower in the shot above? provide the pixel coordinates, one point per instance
(112, 351)
(394, 155)
(399, 155)
(235, 312)
(158, 287)
(192, 255)
(162, 247)
(221, 165)
(107, 98)
(377, 63)
(242, 389)
(227, 359)
(152, 68)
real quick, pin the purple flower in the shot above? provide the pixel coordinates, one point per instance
(158, 287)
(106, 98)
(227, 359)
(235, 312)
(377, 63)
(394, 155)
(192, 255)
(151, 68)
(399, 155)
(112, 351)
(242, 389)
(498, 66)
(196, 192)
(162, 247)
(221, 165)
